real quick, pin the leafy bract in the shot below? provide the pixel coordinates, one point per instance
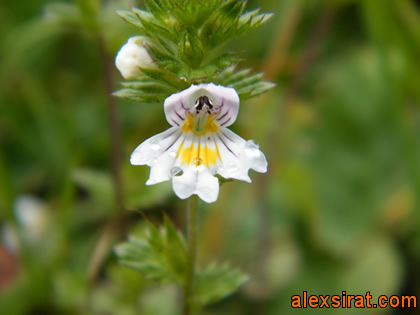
(161, 255)
(187, 40)
(215, 283)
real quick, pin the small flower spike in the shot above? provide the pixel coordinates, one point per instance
(131, 56)
(198, 145)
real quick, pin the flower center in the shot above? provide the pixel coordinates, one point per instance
(203, 120)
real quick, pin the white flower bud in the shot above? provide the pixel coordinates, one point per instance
(131, 56)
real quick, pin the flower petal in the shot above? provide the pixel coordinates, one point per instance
(160, 171)
(150, 150)
(196, 180)
(238, 156)
(225, 100)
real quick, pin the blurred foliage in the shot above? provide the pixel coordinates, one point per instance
(338, 209)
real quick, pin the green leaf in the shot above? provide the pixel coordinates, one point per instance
(143, 14)
(129, 17)
(139, 96)
(149, 85)
(229, 76)
(255, 89)
(156, 9)
(215, 283)
(247, 85)
(252, 19)
(159, 255)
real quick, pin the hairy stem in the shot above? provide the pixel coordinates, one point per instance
(192, 230)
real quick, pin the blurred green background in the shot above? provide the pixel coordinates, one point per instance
(338, 209)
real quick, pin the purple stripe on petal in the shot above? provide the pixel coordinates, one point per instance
(180, 117)
(182, 105)
(174, 122)
(170, 146)
(225, 122)
(224, 115)
(226, 136)
(227, 147)
(175, 131)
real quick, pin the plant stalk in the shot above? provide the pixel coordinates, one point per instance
(112, 226)
(192, 233)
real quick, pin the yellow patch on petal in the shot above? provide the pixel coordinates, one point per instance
(210, 125)
(199, 130)
(198, 156)
(188, 125)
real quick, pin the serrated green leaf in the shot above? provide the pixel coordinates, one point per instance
(139, 96)
(161, 56)
(230, 76)
(154, 74)
(255, 89)
(129, 17)
(261, 19)
(246, 17)
(253, 19)
(215, 283)
(143, 14)
(149, 85)
(159, 255)
(247, 81)
(233, 8)
(247, 85)
(153, 29)
(156, 8)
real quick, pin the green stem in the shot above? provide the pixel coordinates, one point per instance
(192, 230)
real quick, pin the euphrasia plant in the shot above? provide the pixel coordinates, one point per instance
(187, 41)
(179, 58)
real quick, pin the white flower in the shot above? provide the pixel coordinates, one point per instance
(198, 145)
(131, 56)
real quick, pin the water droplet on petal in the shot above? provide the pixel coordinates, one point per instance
(252, 149)
(252, 144)
(154, 145)
(175, 171)
(172, 154)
